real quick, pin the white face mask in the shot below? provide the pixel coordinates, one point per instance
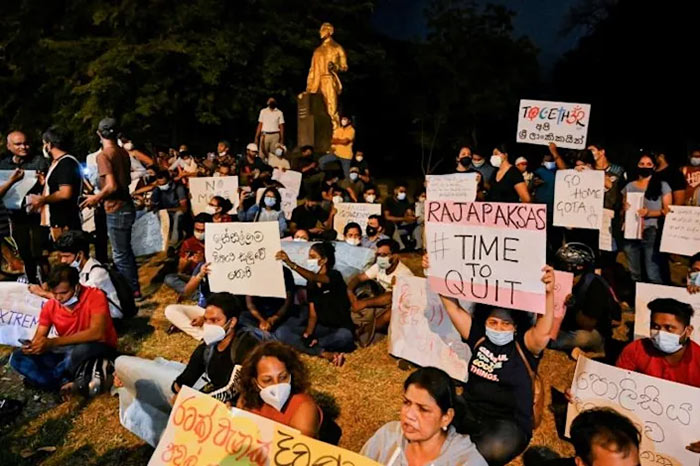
(46, 152)
(211, 210)
(199, 235)
(276, 395)
(478, 163)
(337, 199)
(383, 263)
(76, 263)
(164, 187)
(353, 176)
(312, 265)
(212, 333)
(302, 240)
(666, 342)
(496, 160)
(279, 152)
(370, 198)
(359, 158)
(128, 146)
(401, 196)
(352, 241)
(344, 122)
(550, 165)
(695, 161)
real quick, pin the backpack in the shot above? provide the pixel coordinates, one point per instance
(94, 376)
(125, 294)
(537, 386)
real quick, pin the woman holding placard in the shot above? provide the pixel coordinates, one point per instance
(327, 331)
(656, 202)
(269, 209)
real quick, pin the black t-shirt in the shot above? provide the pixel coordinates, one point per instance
(302, 162)
(363, 166)
(66, 213)
(270, 306)
(593, 298)
(331, 301)
(306, 218)
(247, 167)
(673, 177)
(499, 384)
(504, 190)
(395, 207)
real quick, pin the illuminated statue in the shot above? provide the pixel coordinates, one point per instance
(329, 58)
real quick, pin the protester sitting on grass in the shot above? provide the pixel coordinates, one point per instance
(425, 434)
(265, 314)
(374, 232)
(274, 384)
(505, 354)
(149, 388)
(190, 255)
(269, 209)
(190, 318)
(80, 316)
(219, 208)
(327, 329)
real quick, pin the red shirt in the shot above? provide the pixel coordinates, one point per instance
(642, 356)
(69, 322)
(188, 249)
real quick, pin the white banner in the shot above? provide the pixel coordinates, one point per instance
(681, 233)
(292, 184)
(647, 292)
(605, 238)
(15, 195)
(452, 187)
(488, 252)
(633, 222)
(563, 123)
(202, 189)
(19, 313)
(150, 233)
(422, 332)
(578, 198)
(242, 257)
(348, 212)
(666, 413)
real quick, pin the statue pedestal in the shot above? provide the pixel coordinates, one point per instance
(314, 127)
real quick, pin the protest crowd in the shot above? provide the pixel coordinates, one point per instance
(334, 240)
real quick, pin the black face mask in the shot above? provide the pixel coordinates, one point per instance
(465, 161)
(272, 106)
(371, 231)
(644, 172)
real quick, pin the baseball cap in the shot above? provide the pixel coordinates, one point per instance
(252, 147)
(107, 126)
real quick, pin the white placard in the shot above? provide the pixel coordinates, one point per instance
(202, 189)
(19, 313)
(349, 260)
(578, 198)
(88, 216)
(290, 193)
(542, 122)
(633, 222)
(16, 194)
(666, 413)
(242, 257)
(681, 233)
(488, 252)
(422, 332)
(357, 212)
(452, 187)
(150, 233)
(647, 292)
(605, 238)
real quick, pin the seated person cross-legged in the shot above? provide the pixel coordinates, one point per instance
(326, 330)
(147, 388)
(264, 314)
(191, 253)
(186, 317)
(274, 384)
(80, 316)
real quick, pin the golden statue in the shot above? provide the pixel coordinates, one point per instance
(329, 58)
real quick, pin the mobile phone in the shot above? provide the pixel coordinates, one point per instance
(24, 341)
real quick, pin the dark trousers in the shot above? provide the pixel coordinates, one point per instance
(100, 233)
(30, 238)
(498, 440)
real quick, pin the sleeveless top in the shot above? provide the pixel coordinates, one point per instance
(288, 411)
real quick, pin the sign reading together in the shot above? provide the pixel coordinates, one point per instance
(488, 252)
(565, 124)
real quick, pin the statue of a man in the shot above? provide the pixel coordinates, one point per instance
(329, 58)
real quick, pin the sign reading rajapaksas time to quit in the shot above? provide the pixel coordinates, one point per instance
(488, 252)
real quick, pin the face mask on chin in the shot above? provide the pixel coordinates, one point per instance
(73, 300)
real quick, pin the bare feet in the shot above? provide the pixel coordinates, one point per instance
(67, 391)
(117, 382)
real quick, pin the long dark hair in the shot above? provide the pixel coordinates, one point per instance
(250, 393)
(440, 387)
(654, 187)
(224, 203)
(278, 199)
(327, 251)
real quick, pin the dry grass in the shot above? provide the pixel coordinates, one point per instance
(367, 391)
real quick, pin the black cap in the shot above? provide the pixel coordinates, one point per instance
(107, 127)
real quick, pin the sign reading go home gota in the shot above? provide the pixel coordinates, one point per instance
(488, 252)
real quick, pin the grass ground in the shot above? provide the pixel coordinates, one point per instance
(366, 390)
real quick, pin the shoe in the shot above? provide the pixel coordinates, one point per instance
(172, 329)
(138, 297)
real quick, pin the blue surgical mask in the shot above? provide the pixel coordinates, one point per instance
(312, 265)
(270, 201)
(550, 165)
(694, 278)
(383, 263)
(401, 196)
(72, 300)
(666, 342)
(499, 338)
(478, 163)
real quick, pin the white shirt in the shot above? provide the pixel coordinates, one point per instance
(387, 280)
(94, 275)
(271, 120)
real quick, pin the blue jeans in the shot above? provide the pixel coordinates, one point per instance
(328, 158)
(646, 248)
(178, 283)
(329, 339)
(119, 225)
(52, 369)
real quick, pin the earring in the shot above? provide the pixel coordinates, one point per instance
(444, 428)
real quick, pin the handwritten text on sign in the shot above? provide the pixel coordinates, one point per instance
(565, 124)
(578, 198)
(359, 213)
(488, 252)
(242, 257)
(665, 412)
(291, 181)
(19, 313)
(681, 233)
(455, 187)
(647, 292)
(202, 431)
(204, 188)
(422, 332)
(15, 195)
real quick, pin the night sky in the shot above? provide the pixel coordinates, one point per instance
(541, 20)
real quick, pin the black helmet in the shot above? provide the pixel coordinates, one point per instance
(575, 257)
(94, 376)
